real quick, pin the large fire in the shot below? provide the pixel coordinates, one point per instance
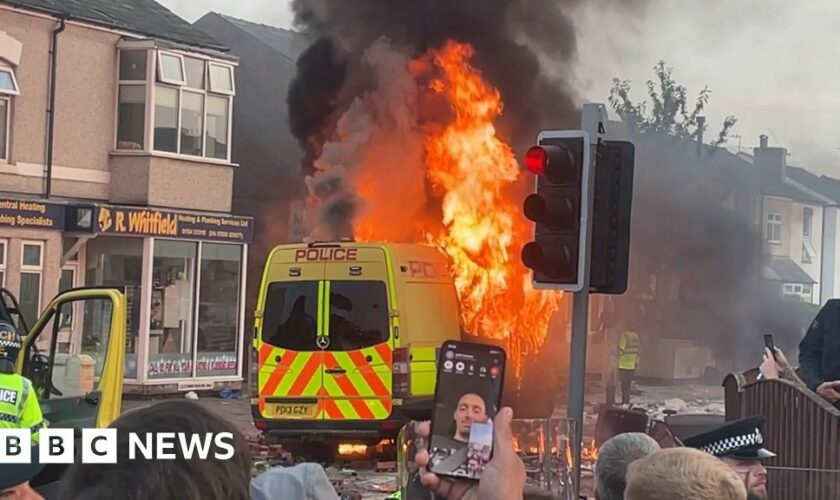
(477, 176)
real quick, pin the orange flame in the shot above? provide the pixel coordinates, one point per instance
(590, 452)
(476, 176)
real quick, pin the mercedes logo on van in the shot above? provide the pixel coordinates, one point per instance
(323, 341)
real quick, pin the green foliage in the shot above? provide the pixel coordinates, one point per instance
(669, 111)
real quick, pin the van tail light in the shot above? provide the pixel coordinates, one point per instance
(401, 380)
(253, 373)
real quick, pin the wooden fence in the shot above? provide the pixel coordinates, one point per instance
(801, 428)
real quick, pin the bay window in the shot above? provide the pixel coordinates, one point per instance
(192, 98)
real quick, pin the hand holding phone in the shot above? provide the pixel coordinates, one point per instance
(467, 397)
(768, 343)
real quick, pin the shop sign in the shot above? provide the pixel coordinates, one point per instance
(180, 365)
(31, 214)
(168, 224)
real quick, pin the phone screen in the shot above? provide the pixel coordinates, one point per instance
(467, 398)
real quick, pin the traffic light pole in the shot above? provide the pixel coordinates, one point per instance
(592, 120)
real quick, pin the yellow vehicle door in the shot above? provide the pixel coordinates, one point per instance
(74, 355)
(290, 371)
(358, 349)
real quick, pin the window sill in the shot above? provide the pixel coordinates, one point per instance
(174, 156)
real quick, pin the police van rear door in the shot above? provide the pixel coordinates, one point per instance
(289, 361)
(359, 344)
(75, 355)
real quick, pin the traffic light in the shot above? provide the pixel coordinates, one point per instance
(613, 194)
(562, 165)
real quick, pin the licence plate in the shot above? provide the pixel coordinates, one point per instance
(292, 410)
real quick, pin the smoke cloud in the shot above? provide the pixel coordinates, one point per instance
(352, 102)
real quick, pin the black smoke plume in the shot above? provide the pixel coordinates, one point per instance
(514, 41)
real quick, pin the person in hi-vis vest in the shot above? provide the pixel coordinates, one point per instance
(629, 346)
(19, 407)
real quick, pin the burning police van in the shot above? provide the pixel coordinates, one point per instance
(345, 339)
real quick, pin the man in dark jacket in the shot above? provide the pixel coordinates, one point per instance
(819, 353)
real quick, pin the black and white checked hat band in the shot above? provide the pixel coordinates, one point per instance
(733, 443)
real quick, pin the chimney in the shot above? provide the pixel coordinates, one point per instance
(701, 125)
(771, 159)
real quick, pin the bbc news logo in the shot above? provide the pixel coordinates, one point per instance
(100, 446)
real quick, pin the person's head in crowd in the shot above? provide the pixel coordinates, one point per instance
(614, 456)
(682, 473)
(470, 408)
(307, 481)
(14, 479)
(142, 479)
(740, 445)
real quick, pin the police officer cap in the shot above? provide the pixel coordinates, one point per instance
(10, 341)
(741, 439)
(16, 474)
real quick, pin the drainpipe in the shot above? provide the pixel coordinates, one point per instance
(51, 109)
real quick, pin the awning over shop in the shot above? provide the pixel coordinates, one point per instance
(785, 270)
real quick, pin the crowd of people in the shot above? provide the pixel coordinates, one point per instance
(722, 464)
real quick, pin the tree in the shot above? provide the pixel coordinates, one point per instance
(669, 113)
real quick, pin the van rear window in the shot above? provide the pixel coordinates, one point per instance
(358, 314)
(290, 318)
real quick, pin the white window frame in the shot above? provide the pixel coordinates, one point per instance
(124, 83)
(4, 253)
(209, 85)
(774, 220)
(154, 79)
(170, 81)
(807, 229)
(33, 269)
(11, 72)
(6, 138)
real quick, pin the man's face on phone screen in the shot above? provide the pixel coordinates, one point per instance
(471, 408)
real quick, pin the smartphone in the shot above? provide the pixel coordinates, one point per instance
(768, 343)
(468, 393)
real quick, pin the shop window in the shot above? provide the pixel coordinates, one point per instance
(3, 246)
(358, 314)
(218, 309)
(290, 315)
(31, 271)
(118, 262)
(192, 101)
(173, 309)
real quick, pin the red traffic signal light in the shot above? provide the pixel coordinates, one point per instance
(553, 161)
(561, 164)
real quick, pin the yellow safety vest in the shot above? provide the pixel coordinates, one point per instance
(628, 351)
(19, 407)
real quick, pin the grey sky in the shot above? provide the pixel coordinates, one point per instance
(772, 63)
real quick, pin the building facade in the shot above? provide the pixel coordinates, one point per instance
(127, 182)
